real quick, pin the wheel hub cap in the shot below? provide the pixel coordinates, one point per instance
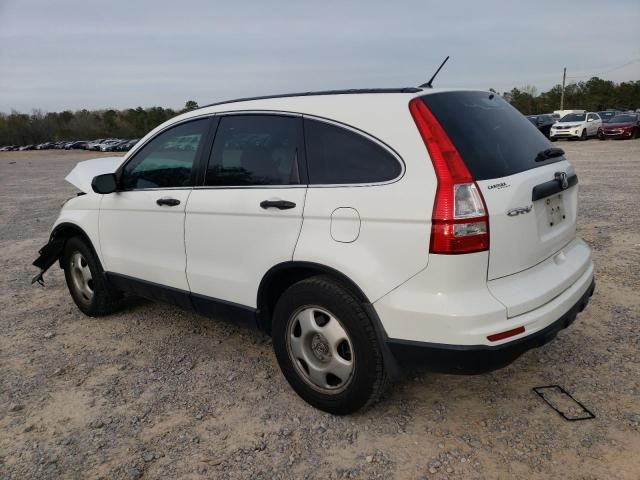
(320, 349)
(81, 275)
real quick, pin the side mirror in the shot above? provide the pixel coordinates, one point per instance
(590, 120)
(105, 183)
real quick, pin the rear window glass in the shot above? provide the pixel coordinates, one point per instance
(493, 138)
(336, 156)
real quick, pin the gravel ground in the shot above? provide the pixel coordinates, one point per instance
(154, 391)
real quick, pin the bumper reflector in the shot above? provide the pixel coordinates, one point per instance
(502, 335)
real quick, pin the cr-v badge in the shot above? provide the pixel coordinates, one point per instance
(514, 212)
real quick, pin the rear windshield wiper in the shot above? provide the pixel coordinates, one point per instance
(549, 153)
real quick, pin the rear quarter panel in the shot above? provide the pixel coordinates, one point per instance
(393, 242)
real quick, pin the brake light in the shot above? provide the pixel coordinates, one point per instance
(460, 221)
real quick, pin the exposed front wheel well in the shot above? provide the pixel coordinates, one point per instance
(65, 231)
(280, 277)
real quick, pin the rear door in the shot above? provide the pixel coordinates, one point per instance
(247, 216)
(531, 197)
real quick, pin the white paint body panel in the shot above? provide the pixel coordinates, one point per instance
(521, 242)
(140, 239)
(83, 211)
(525, 291)
(449, 303)
(231, 242)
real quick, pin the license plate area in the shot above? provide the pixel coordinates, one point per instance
(555, 209)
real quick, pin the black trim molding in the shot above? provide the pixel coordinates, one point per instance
(207, 306)
(552, 187)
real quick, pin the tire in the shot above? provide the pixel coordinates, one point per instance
(636, 133)
(553, 139)
(86, 281)
(583, 135)
(320, 327)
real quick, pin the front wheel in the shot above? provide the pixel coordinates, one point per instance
(85, 279)
(583, 135)
(327, 347)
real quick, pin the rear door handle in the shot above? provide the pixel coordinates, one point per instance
(280, 204)
(169, 202)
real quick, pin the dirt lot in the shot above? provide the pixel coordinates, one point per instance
(157, 392)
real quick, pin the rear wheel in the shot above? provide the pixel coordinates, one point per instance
(326, 346)
(85, 280)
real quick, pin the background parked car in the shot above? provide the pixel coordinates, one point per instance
(108, 145)
(94, 144)
(621, 126)
(607, 115)
(542, 123)
(576, 125)
(126, 145)
(80, 144)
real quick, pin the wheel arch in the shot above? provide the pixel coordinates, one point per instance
(281, 276)
(66, 230)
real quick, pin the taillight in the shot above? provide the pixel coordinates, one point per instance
(460, 221)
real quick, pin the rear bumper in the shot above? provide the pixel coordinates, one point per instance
(472, 359)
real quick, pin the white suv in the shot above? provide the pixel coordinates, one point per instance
(576, 125)
(360, 229)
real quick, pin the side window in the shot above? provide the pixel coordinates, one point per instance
(255, 150)
(336, 155)
(592, 116)
(167, 160)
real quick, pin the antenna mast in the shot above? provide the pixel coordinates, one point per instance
(428, 84)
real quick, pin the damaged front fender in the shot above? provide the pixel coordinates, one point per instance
(48, 255)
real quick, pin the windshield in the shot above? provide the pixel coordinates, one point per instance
(532, 118)
(623, 119)
(574, 117)
(606, 115)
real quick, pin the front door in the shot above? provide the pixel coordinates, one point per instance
(247, 216)
(142, 224)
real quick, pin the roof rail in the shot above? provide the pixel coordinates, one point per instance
(321, 92)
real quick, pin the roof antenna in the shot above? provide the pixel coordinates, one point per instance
(428, 84)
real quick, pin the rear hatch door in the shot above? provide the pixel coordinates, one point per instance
(529, 187)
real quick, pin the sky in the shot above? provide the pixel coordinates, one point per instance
(74, 54)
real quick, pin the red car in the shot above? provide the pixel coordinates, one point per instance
(626, 125)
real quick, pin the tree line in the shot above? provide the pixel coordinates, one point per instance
(593, 95)
(21, 129)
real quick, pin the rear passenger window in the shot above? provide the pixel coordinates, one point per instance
(336, 155)
(255, 150)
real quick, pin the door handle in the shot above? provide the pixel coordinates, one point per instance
(279, 204)
(169, 202)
